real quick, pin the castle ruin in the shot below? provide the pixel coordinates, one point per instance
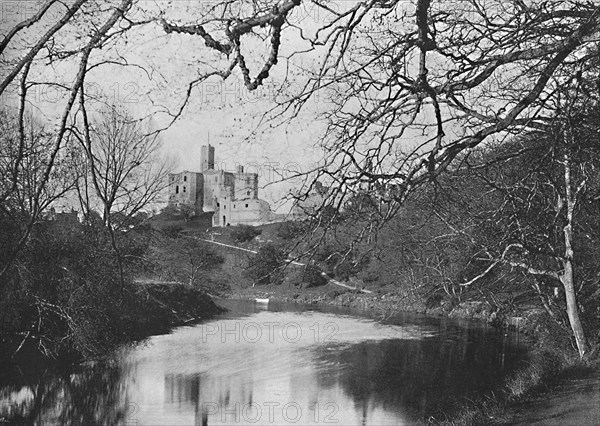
(231, 196)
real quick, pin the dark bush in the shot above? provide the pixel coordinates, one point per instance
(244, 233)
(66, 286)
(370, 274)
(184, 260)
(172, 230)
(433, 301)
(328, 216)
(266, 266)
(343, 269)
(69, 289)
(310, 276)
(290, 230)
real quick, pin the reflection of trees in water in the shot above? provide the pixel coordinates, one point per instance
(92, 395)
(413, 378)
(225, 396)
(419, 378)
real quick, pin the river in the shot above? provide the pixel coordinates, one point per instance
(283, 364)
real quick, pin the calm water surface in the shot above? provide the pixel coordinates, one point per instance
(285, 365)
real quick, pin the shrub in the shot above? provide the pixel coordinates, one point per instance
(345, 268)
(290, 230)
(184, 260)
(173, 230)
(170, 213)
(70, 290)
(266, 266)
(310, 276)
(244, 233)
(434, 300)
(370, 274)
(328, 216)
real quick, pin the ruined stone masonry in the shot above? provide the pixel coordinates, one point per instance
(232, 196)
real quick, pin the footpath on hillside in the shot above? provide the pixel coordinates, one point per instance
(329, 279)
(575, 402)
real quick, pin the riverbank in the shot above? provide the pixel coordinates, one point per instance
(382, 296)
(573, 401)
(145, 309)
(540, 393)
(381, 304)
(164, 306)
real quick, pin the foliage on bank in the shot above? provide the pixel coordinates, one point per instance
(63, 295)
(493, 231)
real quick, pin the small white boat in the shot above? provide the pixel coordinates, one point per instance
(262, 301)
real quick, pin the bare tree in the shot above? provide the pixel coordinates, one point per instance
(25, 191)
(59, 35)
(184, 260)
(125, 169)
(188, 211)
(22, 159)
(439, 79)
(123, 166)
(531, 205)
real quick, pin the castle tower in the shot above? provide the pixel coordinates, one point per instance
(207, 158)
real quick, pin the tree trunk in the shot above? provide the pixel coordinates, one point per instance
(573, 310)
(113, 241)
(567, 277)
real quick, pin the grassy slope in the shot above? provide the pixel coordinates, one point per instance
(394, 285)
(230, 278)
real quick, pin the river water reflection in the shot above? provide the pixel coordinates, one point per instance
(284, 365)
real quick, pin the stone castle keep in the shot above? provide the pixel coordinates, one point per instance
(232, 196)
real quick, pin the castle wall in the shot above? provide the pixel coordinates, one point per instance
(246, 185)
(186, 188)
(212, 189)
(217, 183)
(241, 212)
(308, 206)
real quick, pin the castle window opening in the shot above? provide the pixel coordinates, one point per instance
(184, 189)
(246, 205)
(185, 180)
(177, 189)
